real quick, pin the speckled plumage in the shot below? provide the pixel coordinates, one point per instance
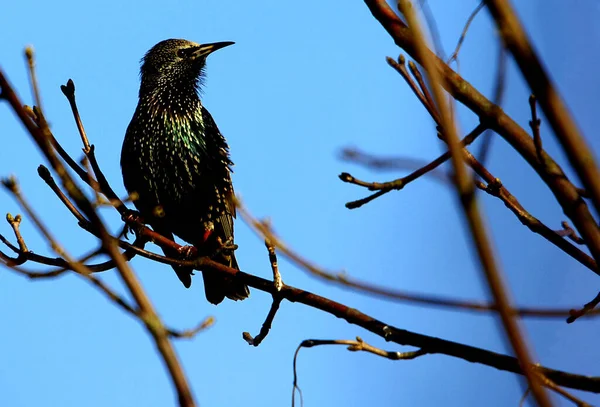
(177, 162)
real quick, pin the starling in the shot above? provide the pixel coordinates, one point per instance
(176, 161)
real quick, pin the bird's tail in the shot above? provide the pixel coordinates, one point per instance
(217, 286)
(184, 273)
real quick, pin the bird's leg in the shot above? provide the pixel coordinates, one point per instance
(132, 220)
(227, 246)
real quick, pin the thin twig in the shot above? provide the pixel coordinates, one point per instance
(569, 232)
(388, 163)
(29, 55)
(534, 123)
(45, 175)
(498, 96)
(495, 188)
(400, 67)
(13, 187)
(89, 150)
(191, 333)
(277, 284)
(14, 223)
(425, 91)
(277, 281)
(400, 183)
(463, 34)
(524, 397)
(266, 326)
(587, 308)
(69, 91)
(354, 346)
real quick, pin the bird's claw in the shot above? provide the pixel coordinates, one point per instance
(227, 246)
(131, 216)
(132, 219)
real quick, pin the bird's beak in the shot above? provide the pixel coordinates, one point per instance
(204, 49)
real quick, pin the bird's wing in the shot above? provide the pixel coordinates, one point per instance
(224, 185)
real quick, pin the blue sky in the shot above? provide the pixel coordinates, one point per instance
(304, 80)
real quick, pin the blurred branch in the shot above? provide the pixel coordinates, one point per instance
(122, 303)
(388, 332)
(191, 333)
(562, 392)
(265, 231)
(433, 27)
(579, 154)
(465, 190)
(400, 183)
(567, 231)
(380, 163)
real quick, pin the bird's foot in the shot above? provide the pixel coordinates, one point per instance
(187, 251)
(132, 220)
(131, 215)
(228, 247)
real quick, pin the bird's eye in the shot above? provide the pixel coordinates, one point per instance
(181, 53)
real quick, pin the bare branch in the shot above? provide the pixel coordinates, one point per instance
(565, 192)
(266, 326)
(463, 34)
(42, 136)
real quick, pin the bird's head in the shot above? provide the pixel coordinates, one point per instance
(175, 63)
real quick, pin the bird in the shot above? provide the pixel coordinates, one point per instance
(176, 163)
